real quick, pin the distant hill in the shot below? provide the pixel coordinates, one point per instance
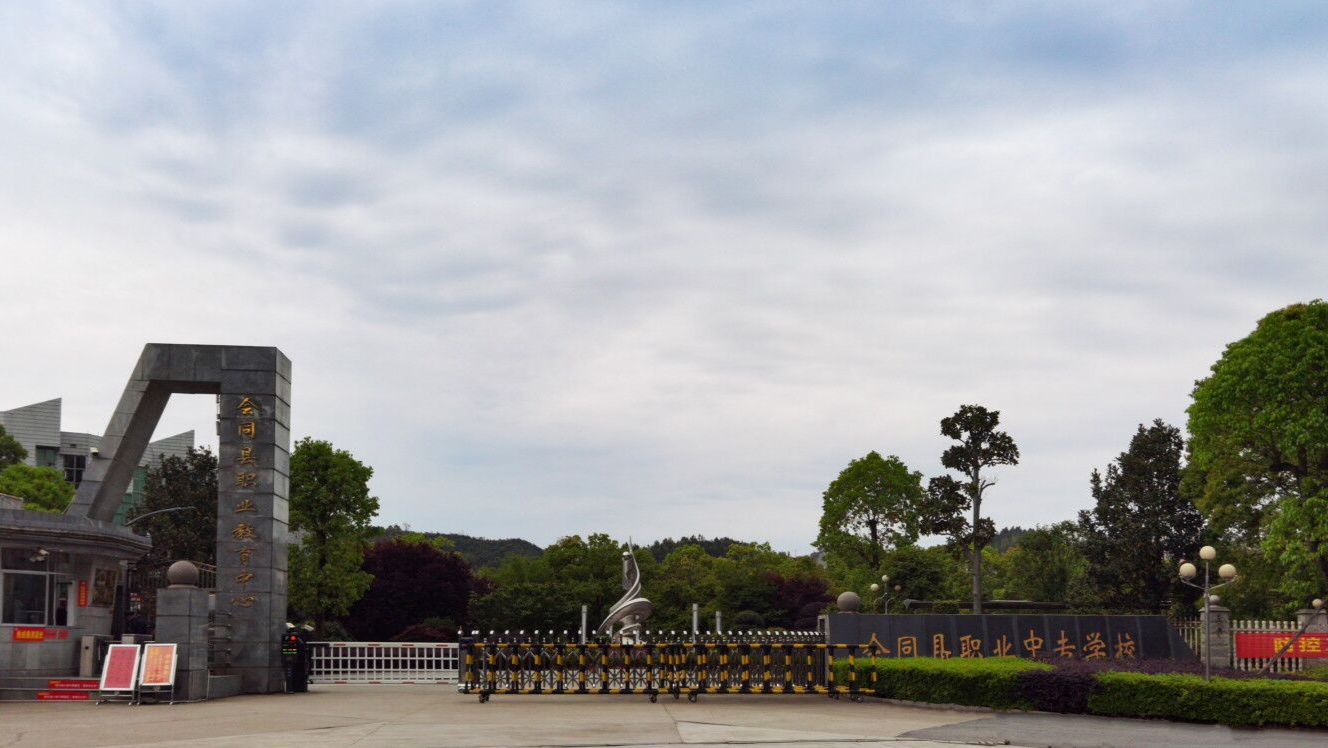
(478, 552)
(482, 552)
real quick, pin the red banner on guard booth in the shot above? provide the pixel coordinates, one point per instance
(29, 634)
(1263, 645)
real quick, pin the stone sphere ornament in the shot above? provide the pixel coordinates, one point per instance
(1318, 604)
(182, 574)
(849, 602)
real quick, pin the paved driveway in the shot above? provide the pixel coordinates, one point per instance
(383, 716)
(410, 716)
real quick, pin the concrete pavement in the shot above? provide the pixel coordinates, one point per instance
(409, 716)
(437, 716)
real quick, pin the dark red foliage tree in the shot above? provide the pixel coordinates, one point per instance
(791, 596)
(413, 582)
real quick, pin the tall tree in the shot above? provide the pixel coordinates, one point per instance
(41, 488)
(1140, 525)
(330, 512)
(980, 446)
(187, 485)
(11, 452)
(872, 506)
(1259, 442)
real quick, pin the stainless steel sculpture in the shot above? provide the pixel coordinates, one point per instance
(631, 610)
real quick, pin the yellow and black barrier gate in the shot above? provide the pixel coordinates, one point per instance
(677, 668)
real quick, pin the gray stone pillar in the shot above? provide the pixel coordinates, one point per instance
(253, 482)
(182, 619)
(1219, 636)
(1317, 620)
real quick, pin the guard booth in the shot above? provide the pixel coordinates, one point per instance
(295, 659)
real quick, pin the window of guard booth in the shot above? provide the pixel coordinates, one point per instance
(25, 597)
(26, 587)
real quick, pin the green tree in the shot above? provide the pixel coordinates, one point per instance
(920, 573)
(1140, 525)
(546, 593)
(872, 506)
(980, 446)
(1259, 443)
(11, 452)
(1045, 564)
(189, 484)
(686, 576)
(43, 489)
(188, 534)
(330, 512)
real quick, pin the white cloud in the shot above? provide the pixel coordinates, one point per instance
(655, 273)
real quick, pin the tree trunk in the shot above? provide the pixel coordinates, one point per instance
(977, 549)
(977, 573)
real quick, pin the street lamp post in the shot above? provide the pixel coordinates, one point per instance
(884, 589)
(1227, 572)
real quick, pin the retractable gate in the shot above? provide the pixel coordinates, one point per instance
(679, 668)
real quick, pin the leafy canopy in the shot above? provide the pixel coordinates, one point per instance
(1140, 525)
(331, 509)
(414, 580)
(41, 488)
(11, 452)
(871, 506)
(1259, 442)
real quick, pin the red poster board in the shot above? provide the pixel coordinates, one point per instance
(158, 666)
(120, 671)
(82, 593)
(1263, 645)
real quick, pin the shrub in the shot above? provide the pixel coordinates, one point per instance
(1316, 672)
(1221, 700)
(1064, 689)
(990, 682)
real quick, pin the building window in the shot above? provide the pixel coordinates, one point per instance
(25, 587)
(74, 465)
(48, 456)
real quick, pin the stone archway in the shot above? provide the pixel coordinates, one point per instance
(253, 481)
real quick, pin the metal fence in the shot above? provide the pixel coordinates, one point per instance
(382, 662)
(1191, 630)
(680, 668)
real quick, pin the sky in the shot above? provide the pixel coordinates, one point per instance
(658, 269)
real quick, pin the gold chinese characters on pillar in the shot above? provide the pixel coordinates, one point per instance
(245, 478)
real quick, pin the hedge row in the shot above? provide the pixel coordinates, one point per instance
(994, 684)
(1010, 683)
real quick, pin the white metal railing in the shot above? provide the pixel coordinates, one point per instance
(1191, 630)
(1284, 664)
(382, 662)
